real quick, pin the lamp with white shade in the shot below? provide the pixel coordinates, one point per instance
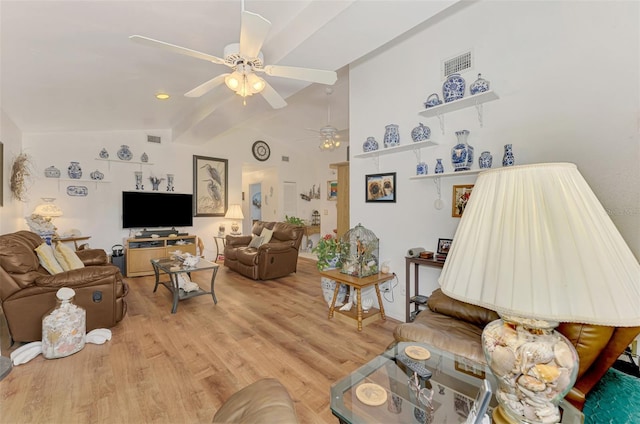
(535, 245)
(40, 219)
(234, 213)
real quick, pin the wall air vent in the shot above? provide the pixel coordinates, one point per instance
(460, 63)
(153, 139)
(285, 158)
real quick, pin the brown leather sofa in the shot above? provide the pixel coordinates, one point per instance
(275, 259)
(28, 291)
(265, 401)
(457, 326)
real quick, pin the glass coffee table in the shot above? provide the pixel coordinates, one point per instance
(455, 382)
(173, 267)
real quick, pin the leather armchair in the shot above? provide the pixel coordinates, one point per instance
(28, 291)
(265, 401)
(457, 326)
(275, 259)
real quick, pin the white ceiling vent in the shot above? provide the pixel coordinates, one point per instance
(461, 63)
(153, 139)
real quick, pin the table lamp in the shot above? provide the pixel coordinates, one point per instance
(234, 213)
(535, 245)
(40, 219)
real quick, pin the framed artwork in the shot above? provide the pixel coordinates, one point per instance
(461, 194)
(381, 187)
(210, 188)
(332, 190)
(444, 245)
(468, 367)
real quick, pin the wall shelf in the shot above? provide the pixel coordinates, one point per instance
(446, 174)
(397, 149)
(476, 100)
(110, 161)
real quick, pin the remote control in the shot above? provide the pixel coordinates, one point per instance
(415, 366)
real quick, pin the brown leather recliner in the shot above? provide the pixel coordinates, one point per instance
(456, 326)
(275, 259)
(28, 291)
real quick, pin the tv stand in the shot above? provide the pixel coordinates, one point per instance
(162, 233)
(140, 251)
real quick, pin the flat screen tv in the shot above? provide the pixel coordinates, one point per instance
(156, 210)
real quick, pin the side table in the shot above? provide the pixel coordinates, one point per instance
(410, 315)
(223, 240)
(75, 240)
(358, 284)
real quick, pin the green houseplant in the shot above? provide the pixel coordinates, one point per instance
(328, 252)
(293, 220)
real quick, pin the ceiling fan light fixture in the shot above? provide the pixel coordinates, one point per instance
(234, 80)
(162, 96)
(256, 84)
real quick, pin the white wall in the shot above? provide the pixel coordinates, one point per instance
(568, 80)
(99, 214)
(11, 138)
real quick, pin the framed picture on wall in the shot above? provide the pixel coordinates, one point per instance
(381, 187)
(210, 188)
(332, 190)
(461, 194)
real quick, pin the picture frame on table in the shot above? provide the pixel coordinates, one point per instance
(444, 245)
(461, 195)
(210, 186)
(380, 187)
(332, 190)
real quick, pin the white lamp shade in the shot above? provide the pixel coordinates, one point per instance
(234, 212)
(535, 241)
(48, 209)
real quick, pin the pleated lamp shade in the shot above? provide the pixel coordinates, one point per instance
(534, 241)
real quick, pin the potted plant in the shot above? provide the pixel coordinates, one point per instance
(328, 252)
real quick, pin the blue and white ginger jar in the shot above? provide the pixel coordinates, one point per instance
(96, 175)
(52, 172)
(124, 153)
(485, 160)
(74, 171)
(391, 136)
(370, 145)
(462, 153)
(421, 169)
(453, 88)
(420, 133)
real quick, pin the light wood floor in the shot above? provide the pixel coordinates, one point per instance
(164, 368)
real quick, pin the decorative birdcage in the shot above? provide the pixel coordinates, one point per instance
(359, 252)
(315, 218)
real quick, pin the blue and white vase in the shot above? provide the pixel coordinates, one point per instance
(144, 158)
(421, 168)
(462, 153)
(124, 153)
(439, 169)
(508, 159)
(328, 287)
(391, 136)
(371, 145)
(420, 133)
(170, 182)
(485, 160)
(479, 86)
(453, 88)
(74, 171)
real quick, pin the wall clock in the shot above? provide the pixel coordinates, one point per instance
(261, 150)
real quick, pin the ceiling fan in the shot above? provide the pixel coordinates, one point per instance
(246, 61)
(330, 137)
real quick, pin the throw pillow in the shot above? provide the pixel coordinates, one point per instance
(256, 242)
(266, 235)
(67, 258)
(47, 259)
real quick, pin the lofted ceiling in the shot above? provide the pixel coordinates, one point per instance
(70, 66)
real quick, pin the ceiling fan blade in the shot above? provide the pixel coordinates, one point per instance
(146, 41)
(207, 86)
(253, 31)
(272, 97)
(304, 74)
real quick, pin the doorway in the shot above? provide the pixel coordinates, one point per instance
(255, 194)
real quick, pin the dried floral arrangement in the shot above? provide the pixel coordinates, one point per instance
(20, 176)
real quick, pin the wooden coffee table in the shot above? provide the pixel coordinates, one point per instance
(358, 284)
(173, 267)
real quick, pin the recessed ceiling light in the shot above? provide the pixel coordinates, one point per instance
(162, 96)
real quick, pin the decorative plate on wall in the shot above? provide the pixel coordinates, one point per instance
(260, 150)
